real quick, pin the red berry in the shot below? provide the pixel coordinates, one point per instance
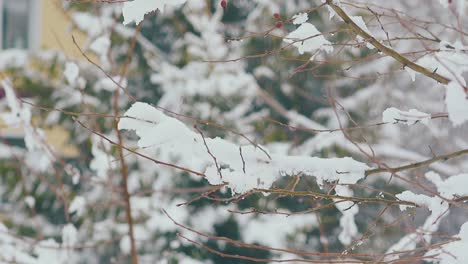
(279, 24)
(276, 16)
(223, 4)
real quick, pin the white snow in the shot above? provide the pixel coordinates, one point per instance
(39, 154)
(102, 162)
(135, 11)
(78, 205)
(455, 185)
(306, 38)
(30, 201)
(101, 45)
(300, 18)
(360, 23)
(454, 252)
(125, 244)
(252, 169)
(13, 58)
(71, 72)
(437, 206)
(411, 117)
(457, 103)
(69, 235)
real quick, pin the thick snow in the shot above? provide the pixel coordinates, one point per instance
(360, 23)
(243, 168)
(454, 252)
(136, 10)
(411, 117)
(101, 45)
(77, 205)
(71, 72)
(307, 38)
(456, 99)
(300, 18)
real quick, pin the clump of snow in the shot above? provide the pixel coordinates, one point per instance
(100, 45)
(436, 205)
(452, 186)
(77, 205)
(242, 168)
(411, 73)
(451, 64)
(264, 71)
(71, 72)
(307, 38)
(454, 252)
(13, 58)
(47, 252)
(456, 99)
(110, 85)
(93, 25)
(283, 226)
(30, 201)
(136, 10)
(360, 23)
(438, 208)
(349, 210)
(411, 117)
(125, 244)
(69, 235)
(444, 3)
(300, 18)
(102, 162)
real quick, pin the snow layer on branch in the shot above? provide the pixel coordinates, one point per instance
(71, 72)
(102, 162)
(438, 207)
(243, 168)
(307, 38)
(300, 18)
(456, 99)
(283, 226)
(451, 62)
(13, 250)
(349, 210)
(101, 45)
(137, 9)
(94, 26)
(78, 205)
(452, 253)
(453, 186)
(13, 58)
(360, 23)
(411, 117)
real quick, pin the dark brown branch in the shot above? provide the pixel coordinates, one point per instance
(418, 164)
(218, 168)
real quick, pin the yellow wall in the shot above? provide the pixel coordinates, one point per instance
(55, 33)
(56, 30)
